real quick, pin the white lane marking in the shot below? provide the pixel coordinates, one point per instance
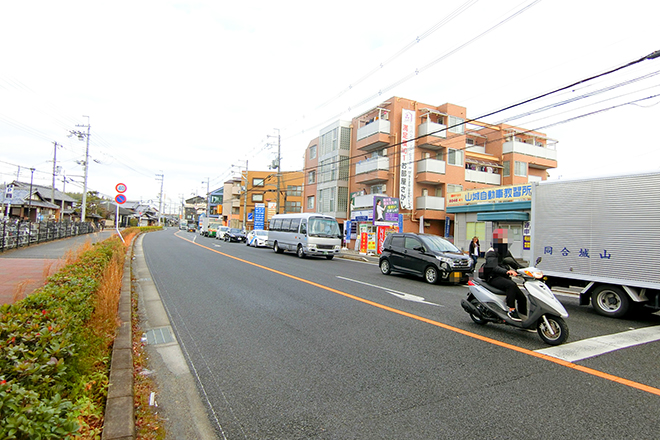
(586, 348)
(402, 295)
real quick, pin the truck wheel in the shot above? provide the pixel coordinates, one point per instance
(610, 301)
(431, 275)
(556, 334)
(300, 251)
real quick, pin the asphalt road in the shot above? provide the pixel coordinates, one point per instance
(288, 348)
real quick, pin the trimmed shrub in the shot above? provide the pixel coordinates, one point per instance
(48, 352)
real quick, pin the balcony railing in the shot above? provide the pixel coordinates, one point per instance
(378, 126)
(431, 166)
(438, 130)
(372, 164)
(430, 202)
(482, 177)
(529, 150)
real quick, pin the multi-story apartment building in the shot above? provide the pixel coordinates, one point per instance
(241, 197)
(327, 171)
(421, 153)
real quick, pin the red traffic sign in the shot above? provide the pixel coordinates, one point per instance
(120, 199)
(120, 188)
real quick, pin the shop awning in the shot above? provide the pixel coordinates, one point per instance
(503, 216)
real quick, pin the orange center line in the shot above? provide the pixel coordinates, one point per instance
(545, 357)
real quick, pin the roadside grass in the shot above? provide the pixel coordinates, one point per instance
(56, 346)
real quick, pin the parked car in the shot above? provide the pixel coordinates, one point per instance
(235, 234)
(430, 256)
(192, 226)
(183, 225)
(220, 232)
(257, 238)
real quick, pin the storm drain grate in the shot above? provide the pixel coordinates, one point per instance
(161, 335)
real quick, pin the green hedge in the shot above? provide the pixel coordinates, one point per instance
(43, 377)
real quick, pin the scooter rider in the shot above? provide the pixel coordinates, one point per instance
(497, 274)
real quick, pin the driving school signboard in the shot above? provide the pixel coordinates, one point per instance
(494, 195)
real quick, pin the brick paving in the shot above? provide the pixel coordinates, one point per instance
(24, 270)
(22, 276)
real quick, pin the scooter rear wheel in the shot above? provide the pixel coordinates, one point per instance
(478, 320)
(556, 334)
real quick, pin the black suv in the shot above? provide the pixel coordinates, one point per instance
(426, 255)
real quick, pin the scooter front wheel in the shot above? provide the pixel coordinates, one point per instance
(552, 330)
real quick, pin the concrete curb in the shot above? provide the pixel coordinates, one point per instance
(119, 421)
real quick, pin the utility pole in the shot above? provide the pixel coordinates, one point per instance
(160, 177)
(52, 192)
(277, 164)
(30, 195)
(80, 135)
(208, 196)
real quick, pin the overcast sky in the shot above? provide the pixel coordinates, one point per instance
(188, 89)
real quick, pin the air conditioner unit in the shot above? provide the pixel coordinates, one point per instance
(427, 224)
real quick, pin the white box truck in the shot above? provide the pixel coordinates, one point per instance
(602, 235)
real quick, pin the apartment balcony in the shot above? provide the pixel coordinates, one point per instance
(431, 203)
(548, 154)
(235, 190)
(236, 203)
(374, 136)
(372, 171)
(482, 177)
(429, 134)
(475, 148)
(430, 170)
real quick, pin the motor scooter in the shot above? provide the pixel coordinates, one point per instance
(485, 303)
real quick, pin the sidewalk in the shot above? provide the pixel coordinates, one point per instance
(25, 269)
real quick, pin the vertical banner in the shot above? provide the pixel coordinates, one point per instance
(407, 176)
(259, 215)
(364, 238)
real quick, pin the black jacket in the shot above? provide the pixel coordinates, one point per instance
(495, 266)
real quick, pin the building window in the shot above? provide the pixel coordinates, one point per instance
(344, 167)
(326, 200)
(342, 199)
(506, 168)
(455, 157)
(520, 168)
(311, 177)
(456, 125)
(292, 207)
(310, 202)
(257, 198)
(258, 181)
(452, 188)
(312, 152)
(294, 191)
(377, 189)
(345, 141)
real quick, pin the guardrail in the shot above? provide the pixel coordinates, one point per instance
(15, 234)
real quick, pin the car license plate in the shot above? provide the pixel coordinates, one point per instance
(455, 276)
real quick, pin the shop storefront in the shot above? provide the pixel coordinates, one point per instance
(479, 212)
(373, 217)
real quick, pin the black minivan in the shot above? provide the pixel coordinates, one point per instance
(426, 255)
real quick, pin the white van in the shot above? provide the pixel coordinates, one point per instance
(306, 234)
